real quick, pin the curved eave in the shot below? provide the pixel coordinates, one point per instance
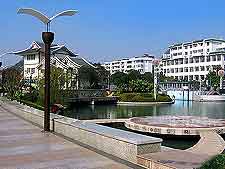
(66, 49)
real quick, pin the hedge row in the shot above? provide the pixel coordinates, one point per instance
(31, 104)
(217, 162)
(143, 97)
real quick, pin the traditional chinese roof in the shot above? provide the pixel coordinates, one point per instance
(39, 46)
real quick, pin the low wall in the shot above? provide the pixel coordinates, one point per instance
(123, 144)
(151, 164)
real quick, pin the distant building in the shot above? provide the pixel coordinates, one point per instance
(193, 60)
(61, 57)
(140, 63)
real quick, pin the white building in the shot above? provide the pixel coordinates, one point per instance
(142, 64)
(61, 57)
(193, 60)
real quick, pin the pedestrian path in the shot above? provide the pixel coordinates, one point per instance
(24, 146)
(209, 145)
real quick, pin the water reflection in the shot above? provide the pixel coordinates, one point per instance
(209, 109)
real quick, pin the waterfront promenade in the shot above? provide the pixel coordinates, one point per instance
(24, 146)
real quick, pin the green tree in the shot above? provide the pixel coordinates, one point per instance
(88, 78)
(148, 76)
(12, 81)
(103, 75)
(213, 79)
(140, 86)
(57, 85)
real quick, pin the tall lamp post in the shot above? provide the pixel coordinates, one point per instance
(47, 38)
(155, 71)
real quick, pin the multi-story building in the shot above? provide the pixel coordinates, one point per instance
(193, 60)
(141, 63)
(61, 57)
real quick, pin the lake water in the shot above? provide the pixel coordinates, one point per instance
(208, 109)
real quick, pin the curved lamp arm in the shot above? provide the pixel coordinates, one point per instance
(35, 13)
(44, 19)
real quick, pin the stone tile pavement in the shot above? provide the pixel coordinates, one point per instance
(24, 146)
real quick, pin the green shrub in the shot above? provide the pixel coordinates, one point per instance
(127, 97)
(31, 104)
(163, 98)
(217, 162)
(30, 96)
(143, 97)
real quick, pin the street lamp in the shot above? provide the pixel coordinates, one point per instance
(47, 38)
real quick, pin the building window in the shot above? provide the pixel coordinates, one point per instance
(186, 69)
(190, 46)
(172, 70)
(181, 69)
(186, 61)
(202, 68)
(218, 58)
(164, 63)
(197, 60)
(207, 68)
(207, 50)
(168, 71)
(191, 77)
(168, 63)
(202, 77)
(181, 61)
(28, 70)
(32, 70)
(196, 68)
(213, 58)
(31, 57)
(176, 62)
(207, 43)
(191, 60)
(164, 70)
(176, 70)
(172, 62)
(185, 47)
(208, 58)
(202, 59)
(195, 45)
(129, 66)
(186, 53)
(191, 69)
(196, 77)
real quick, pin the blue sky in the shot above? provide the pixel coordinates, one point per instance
(105, 30)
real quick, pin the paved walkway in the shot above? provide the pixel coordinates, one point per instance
(209, 145)
(24, 146)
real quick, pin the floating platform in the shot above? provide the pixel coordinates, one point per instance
(176, 125)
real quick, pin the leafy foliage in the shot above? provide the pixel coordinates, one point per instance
(142, 97)
(12, 81)
(58, 82)
(217, 162)
(93, 78)
(213, 79)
